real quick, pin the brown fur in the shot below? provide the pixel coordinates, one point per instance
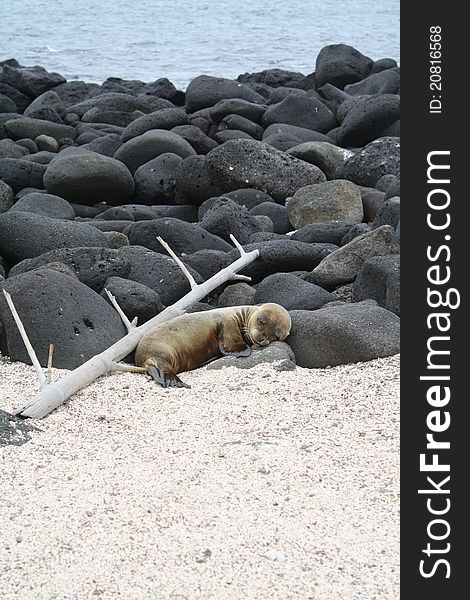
(190, 341)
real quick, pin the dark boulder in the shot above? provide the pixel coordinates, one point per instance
(239, 123)
(237, 106)
(343, 265)
(139, 150)
(165, 118)
(379, 279)
(372, 200)
(231, 134)
(182, 237)
(291, 292)
(20, 174)
(193, 182)
(237, 294)
(284, 255)
(26, 127)
(272, 77)
(380, 157)
(294, 132)
(301, 111)
(49, 99)
(87, 178)
(92, 266)
(326, 232)
(201, 143)
(384, 82)
(277, 213)
(159, 272)
(56, 309)
(275, 352)
(324, 155)
(155, 180)
(47, 205)
(367, 119)
(247, 163)
(226, 217)
(25, 235)
(340, 64)
(388, 214)
(343, 334)
(207, 262)
(205, 91)
(135, 299)
(32, 81)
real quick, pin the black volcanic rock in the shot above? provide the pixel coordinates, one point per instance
(155, 180)
(25, 235)
(247, 163)
(47, 205)
(301, 111)
(343, 334)
(20, 174)
(32, 81)
(205, 91)
(367, 119)
(380, 157)
(159, 272)
(135, 299)
(379, 279)
(56, 309)
(87, 178)
(227, 217)
(291, 292)
(285, 255)
(340, 64)
(165, 118)
(92, 266)
(182, 237)
(139, 150)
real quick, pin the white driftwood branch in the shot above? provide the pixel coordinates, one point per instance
(179, 262)
(49, 364)
(56, 393)
(115, 303)
(237, 245)
(24, 336)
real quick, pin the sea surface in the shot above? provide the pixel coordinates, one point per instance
(180, 39)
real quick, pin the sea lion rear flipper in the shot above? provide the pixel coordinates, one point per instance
(166, 380)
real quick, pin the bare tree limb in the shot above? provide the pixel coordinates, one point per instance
(56, 393)
(49, 364)
(27, 343)
(124, 319)
(179, 262)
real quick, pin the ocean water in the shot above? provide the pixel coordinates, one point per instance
(180, 39)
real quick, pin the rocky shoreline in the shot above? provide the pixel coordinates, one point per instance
(303, 167)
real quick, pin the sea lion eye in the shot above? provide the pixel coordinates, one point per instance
(261, 320)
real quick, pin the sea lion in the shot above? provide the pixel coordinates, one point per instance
(192, 340)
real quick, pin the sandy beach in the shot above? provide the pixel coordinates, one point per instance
(252, 484)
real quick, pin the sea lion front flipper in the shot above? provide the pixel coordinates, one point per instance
(166, 380)
(241, 353)
(231, 342)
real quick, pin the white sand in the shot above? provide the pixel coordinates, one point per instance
(252, 484)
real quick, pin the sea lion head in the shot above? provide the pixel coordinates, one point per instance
(268, 323)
